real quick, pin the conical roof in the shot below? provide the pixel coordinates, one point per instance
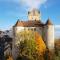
(19, 23)
(49, 22)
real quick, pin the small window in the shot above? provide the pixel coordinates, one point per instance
(34, 29)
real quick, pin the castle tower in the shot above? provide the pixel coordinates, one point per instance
(34, 15)
(49, 34)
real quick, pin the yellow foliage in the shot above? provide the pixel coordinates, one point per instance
(10, 58)
(41, 47)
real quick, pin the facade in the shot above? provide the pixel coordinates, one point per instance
(46, 30)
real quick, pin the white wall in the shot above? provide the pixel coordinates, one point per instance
(49, 36)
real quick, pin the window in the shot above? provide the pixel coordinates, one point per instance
(34, 29)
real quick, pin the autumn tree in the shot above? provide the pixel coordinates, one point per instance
(31, 46)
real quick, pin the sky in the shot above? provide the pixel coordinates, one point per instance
(12, 10)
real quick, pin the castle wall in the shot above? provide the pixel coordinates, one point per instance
(49, 36)
(34, 17)
(19, 29)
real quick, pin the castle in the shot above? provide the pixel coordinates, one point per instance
(46, 30)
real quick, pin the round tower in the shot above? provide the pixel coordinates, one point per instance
(34, 15)
(49, 34)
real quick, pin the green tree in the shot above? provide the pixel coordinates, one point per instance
(27, 45)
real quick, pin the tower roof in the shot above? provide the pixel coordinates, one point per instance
(19, 23)
(49, 22)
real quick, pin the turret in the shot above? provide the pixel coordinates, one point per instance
(34, 14)
(49, 34)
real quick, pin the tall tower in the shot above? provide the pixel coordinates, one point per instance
(34, 15)
(49, 35)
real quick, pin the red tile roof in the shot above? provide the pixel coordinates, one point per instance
(29, 23)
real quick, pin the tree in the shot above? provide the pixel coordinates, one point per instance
(41, 47)
(31, 46)
(27, 46)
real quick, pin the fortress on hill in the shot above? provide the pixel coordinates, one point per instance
(34, 23)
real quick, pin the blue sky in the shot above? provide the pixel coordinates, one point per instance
(12, 10)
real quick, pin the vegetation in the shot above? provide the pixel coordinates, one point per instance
(8, 57)
(31, 46)
(57, 49)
